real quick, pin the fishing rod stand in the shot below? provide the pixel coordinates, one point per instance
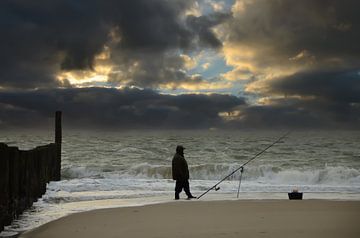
(216, 188)
(241, 173)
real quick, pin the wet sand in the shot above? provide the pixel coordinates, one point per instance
(200, 219)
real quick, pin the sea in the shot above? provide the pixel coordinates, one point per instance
(102, 169)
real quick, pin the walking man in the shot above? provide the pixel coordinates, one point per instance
(180, 173)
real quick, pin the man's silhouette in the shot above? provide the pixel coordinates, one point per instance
(180, 173)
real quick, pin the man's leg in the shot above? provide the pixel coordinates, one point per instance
(187, 189)
(178, 188)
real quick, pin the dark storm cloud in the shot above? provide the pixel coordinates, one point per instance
(157, 58)
(324, 98)
(300, 114)
(341, 86)
(329, 30)
(39, 38)
(126, 108)
(318, 40)
(314, 43)
(313, 99)
(157, 25)
(203, 24)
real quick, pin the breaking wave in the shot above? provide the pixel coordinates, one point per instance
(337, 175)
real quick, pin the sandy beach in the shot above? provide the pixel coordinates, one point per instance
(258, 218)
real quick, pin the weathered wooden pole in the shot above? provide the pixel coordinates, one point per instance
(4, 185)
(58, 138)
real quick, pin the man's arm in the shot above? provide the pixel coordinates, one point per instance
(185, 170)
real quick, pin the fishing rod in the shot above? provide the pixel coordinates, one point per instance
(242, 166)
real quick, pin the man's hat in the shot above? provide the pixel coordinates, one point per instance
(179, 148)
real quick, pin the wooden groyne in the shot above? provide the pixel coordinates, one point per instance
(25, 173)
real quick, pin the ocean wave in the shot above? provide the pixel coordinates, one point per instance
(269, 174)
(81, 172)
(328, 175)
(263, 173)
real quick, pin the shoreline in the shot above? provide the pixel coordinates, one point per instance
(229, 218)
(44, 214)
(31, 220)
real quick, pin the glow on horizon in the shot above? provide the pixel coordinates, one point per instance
(79, 77)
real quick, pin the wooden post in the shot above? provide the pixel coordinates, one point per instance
(58, 138)
(4, 184)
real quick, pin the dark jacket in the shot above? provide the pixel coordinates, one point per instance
(180, 170)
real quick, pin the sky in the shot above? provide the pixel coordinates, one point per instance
(180, 64)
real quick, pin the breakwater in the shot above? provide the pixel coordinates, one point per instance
(25, 173)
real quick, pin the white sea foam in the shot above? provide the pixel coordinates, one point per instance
(327, 175)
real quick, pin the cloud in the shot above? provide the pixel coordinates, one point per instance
(322, 98)
(298, 113)
(300, 58)
(112, 108)
(332, 85)
(153, 67)
(39, 38)
(270, 37)
(299, 61)
(144, 38)
(132, 108)
(217, 6)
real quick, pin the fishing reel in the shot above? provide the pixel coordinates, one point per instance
(217, 188)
